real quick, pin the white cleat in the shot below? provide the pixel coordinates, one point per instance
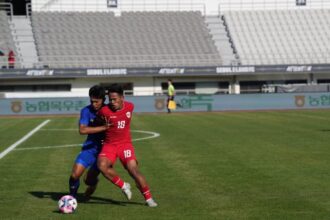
(151, 203)
(127, 190)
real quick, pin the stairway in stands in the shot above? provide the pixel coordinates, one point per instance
(221, 39)
(24, 41)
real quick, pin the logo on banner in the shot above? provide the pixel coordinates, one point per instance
(40, 72)
(299, 68)
(236, 69)
(16, 106)
(159, 104)
(300, 100)
(171, 71)
(106, 72)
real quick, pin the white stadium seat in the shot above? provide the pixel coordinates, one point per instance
(290, 36)
(158, 35)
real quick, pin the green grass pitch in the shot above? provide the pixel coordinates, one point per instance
(232, 165)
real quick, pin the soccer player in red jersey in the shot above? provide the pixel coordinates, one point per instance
(118, 144)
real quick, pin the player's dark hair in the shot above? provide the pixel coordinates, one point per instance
(97, 92)
(116, 88)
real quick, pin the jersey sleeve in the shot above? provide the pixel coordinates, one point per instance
(84, 117)
(132, 107)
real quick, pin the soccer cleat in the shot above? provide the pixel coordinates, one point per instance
(89, 192)
(151, 203)
(127, 191)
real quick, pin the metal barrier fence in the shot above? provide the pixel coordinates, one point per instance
(129, 61)
(111, 61)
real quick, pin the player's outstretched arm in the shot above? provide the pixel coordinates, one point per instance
(99, 124)
(83, 129)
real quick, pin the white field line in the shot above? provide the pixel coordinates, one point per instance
(48, 147)
(27, 136)
(61, 129)
(152, 135)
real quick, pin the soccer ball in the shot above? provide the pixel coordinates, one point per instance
(67, 204)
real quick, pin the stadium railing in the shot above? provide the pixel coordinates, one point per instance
(228, 5)
(123, 6)
(8, 7)
(28, 9)
(134, 60)
(118, 61)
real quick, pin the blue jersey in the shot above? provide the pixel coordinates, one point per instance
(87, 117)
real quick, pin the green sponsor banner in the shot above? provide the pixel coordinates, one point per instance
(185, 103)
(42, 106)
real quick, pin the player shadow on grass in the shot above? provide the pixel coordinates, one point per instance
(81, 199)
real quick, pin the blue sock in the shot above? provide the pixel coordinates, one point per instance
(73, 186)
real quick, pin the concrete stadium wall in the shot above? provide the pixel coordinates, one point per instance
(157, 104)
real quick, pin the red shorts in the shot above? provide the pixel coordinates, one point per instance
(125, 153)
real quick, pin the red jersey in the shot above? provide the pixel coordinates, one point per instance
(119, 131)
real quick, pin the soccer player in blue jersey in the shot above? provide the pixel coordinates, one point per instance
(87, 158)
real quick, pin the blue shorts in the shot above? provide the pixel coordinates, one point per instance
(88, 158)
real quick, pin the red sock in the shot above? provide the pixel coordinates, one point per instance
(146, 192)
(118, 182)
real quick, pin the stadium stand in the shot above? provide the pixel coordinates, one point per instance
(134, 39)
(280, 36)
(6, 38)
